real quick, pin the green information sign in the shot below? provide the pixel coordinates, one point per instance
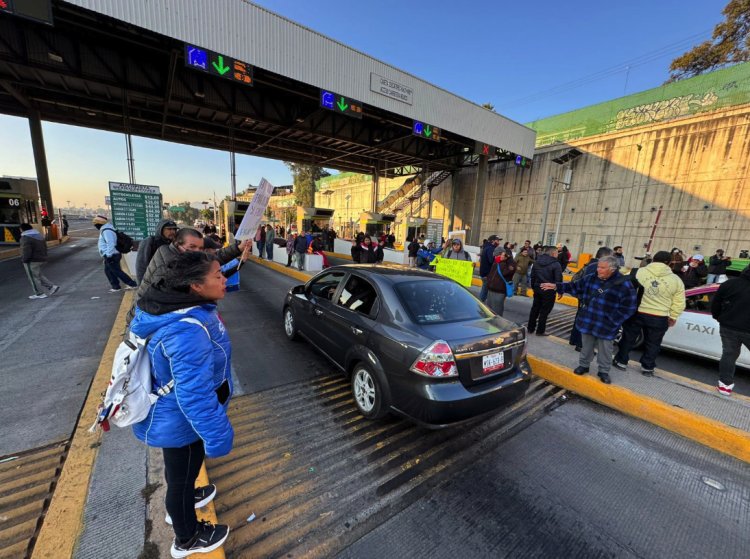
(136, 208)
(458, 270)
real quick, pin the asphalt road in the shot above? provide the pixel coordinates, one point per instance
(579, 481)
(51, 347)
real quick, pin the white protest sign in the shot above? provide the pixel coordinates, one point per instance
(255, 211)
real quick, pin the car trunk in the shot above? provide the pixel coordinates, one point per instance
(484, 349)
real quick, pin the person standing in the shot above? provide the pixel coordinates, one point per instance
(300, 248)
(270, 236)
(694, 272)
(260, 240)
(607, 299)
(546, 270)
(619, 255)
(486, 260)
(33, 258)
(717, 267)
(590, 269)
(166, 230)
(108, 251)
(190, 355)
(290, 248)
(456, 251)
(661, 305)
(367, 251)
(730, 308)
(65, 225)
(413, 248)
(563, 256)
(523, 262)
(500, 276)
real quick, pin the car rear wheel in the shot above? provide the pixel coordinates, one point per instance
(290, 324)
(368, 393)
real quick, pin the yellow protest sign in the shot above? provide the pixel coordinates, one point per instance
(458, 270)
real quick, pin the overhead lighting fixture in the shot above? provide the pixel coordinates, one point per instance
(54, 57)
(91, 113)
(299, 119)
(199, 94)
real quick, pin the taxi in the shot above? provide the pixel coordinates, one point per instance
(696, 332)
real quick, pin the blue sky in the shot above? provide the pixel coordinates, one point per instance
(521, 57)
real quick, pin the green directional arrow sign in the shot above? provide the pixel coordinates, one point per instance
(342, 105)
(220, 67)
(427, 131)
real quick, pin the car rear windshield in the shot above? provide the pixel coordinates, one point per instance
(437, 301)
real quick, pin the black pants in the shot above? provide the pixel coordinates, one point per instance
(289, 259)
(544, 301)
(731, 345)
(181, 468)
(653, 327)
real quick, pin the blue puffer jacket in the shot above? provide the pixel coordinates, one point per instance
(199, 361)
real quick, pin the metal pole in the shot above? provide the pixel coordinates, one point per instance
(476, 217)
(131, 160)
(543, 232)
(233, 174)
(559, 215)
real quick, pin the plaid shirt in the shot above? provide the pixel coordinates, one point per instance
(601, 314)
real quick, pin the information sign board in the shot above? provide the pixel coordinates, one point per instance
(426, 131)
(36, 10)
(391, 89)
(434, 230)
(340, 104)
(136, 208)
(217, 64)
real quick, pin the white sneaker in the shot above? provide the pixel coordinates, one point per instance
(203, 496)
(725, 389)
(129, 287)
(40, 296)
(55, 289)
(113, 290)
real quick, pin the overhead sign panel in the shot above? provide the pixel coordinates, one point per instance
(37, 10)
(391, 89)
(481, 148)
(136, 208)
(427, 131)
(217, 64)
(340, 104)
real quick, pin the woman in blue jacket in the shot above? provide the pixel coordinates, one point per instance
(190, 357)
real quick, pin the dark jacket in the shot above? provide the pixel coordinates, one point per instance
(731, 303)
(148, 247)
(157, 269)
(546, 270)
(507, 270)
(33, 247)
(694, 277)
(603, 304)
(300, 245)
(367, 255)
(718, 265)
(196, 354)
(486, 259)
(563, 258)
(413, 248)
(379, 254)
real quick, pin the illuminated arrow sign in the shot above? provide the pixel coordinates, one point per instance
(427, 131)
(340, 104)
(211, 62)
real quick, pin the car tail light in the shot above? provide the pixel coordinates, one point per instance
(436, 361)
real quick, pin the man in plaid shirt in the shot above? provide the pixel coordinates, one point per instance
(607, 299)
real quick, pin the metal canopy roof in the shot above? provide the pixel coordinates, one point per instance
(119, 66)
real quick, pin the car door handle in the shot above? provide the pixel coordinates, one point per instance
(318, 312)
(356, 331)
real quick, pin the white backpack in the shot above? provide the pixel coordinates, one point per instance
(130, 393)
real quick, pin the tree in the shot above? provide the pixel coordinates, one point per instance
(730, 44)
(304, 182)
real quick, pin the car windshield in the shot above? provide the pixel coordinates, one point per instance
(438, 301)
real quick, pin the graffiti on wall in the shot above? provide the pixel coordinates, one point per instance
(665, 109)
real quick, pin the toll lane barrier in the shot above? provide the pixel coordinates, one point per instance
(698, 428)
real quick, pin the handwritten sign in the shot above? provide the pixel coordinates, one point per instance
(458, 270)
(255, 211)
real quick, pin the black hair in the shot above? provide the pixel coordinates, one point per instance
(185, 232)
(187, 269)
(603, 251)
(26, 227)
(662, 256)
(618, 246)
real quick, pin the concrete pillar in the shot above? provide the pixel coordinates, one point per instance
(452, 209)
(476, 217)
(375, 181)
(40, 162)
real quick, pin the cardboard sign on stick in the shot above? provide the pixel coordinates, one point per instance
(255, 211)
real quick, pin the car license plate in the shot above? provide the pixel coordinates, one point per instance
(492, 362)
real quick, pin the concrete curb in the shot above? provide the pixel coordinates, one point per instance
(698, 428)
(208, 513)
(64, 518)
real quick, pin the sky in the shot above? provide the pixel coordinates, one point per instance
(530, 60)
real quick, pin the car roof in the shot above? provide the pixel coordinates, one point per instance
(389, 272)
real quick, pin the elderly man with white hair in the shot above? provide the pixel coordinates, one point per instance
(606, 300)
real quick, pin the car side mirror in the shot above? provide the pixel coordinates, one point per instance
(298, 289)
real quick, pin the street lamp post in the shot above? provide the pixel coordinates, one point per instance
(348, 215)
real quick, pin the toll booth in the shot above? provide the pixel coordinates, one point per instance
(376, 224)
(19, 203)
(415, 227)
(313, 219)
(232, 213)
